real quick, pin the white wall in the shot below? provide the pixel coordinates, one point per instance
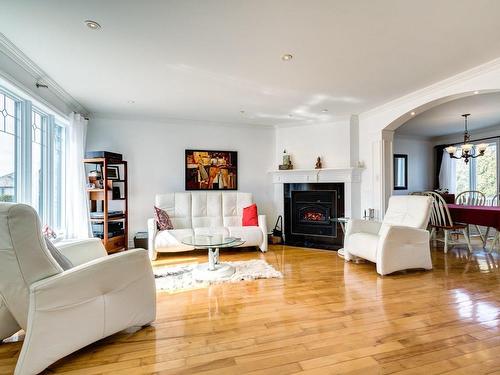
(420, 162)
(330, 141)
(155, 153)
(489, 132)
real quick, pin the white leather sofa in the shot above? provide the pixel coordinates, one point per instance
(398, 243)
(63, 311)
(195, 213)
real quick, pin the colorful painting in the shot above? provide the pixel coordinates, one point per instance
(211, 170)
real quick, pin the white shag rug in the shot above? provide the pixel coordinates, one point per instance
(180, 277)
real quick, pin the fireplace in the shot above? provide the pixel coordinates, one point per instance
(310, 214)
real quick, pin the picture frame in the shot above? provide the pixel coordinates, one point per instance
(113, 172)
(400, 167)
(211, 170)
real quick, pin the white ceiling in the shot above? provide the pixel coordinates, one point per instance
(447, 118)
(208, 60)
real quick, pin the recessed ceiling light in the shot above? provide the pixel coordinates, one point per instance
(412, 113)
(286, 57)
(324, 110)
(92, 25)
(131, 101)
(290, 115)
(476, 92)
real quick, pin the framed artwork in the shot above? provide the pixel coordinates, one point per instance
(211, 170)
(113, 172)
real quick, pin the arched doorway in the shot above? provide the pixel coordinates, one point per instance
(387, 148)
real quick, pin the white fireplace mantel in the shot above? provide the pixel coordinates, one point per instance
(346, 175)
(350, 177)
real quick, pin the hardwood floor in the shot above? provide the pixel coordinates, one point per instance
(324, 317)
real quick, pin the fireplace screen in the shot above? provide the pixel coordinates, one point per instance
(313, 216)
(313, 212)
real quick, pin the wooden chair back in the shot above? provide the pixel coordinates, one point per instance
(471, 198)
(495, 201)
(440, 215)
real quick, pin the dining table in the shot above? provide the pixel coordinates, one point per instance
(486, 216)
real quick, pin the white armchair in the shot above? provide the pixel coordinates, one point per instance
(398, 243)
(63, 311)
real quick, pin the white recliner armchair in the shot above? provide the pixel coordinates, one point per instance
(398, 243)
(63, 311)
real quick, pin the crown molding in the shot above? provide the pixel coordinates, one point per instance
(433, 88)
(10, 50)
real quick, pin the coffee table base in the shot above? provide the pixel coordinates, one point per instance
(202, 272)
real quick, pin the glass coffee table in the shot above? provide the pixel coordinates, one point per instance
(212, 270)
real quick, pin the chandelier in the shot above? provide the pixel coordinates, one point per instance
(467, 149)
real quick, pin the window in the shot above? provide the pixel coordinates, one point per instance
(32, 157)
(9, 110)
(486, 171)
(480, 173)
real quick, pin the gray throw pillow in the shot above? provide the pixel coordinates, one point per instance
(64, 262)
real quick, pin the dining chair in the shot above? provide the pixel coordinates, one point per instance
(441, 219)
(495, 202)
(472, 198)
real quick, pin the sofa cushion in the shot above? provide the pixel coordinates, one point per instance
(178, 207)
(408, 211)
(252, 236)
(250, 216)
(162, 219)
(363, 245)
(172, 238)
(206, 209)
(232, 207)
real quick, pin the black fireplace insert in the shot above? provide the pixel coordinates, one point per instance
(311, 211)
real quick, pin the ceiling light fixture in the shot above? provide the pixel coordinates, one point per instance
(92, 25)
(413, 113)
(131, 101)
(286, 57)
(476, 92)
(242, 112)
(467, 149)
(324, 110)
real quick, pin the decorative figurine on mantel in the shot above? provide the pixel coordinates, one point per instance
(287, 161)
(319, 164)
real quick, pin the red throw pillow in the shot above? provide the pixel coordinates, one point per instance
(163, 221)
(250, 216)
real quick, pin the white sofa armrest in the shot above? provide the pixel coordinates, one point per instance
(152, 231)
(82, 251)
(402, 248)
(263, 228)
(84, 304)
(362, 226)
(358, 226)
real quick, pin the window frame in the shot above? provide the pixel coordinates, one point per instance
(23, 158)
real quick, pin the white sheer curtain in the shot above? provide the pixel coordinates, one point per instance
(77, 213)
(447, 173)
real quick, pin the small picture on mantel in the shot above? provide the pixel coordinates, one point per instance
(211, 170)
